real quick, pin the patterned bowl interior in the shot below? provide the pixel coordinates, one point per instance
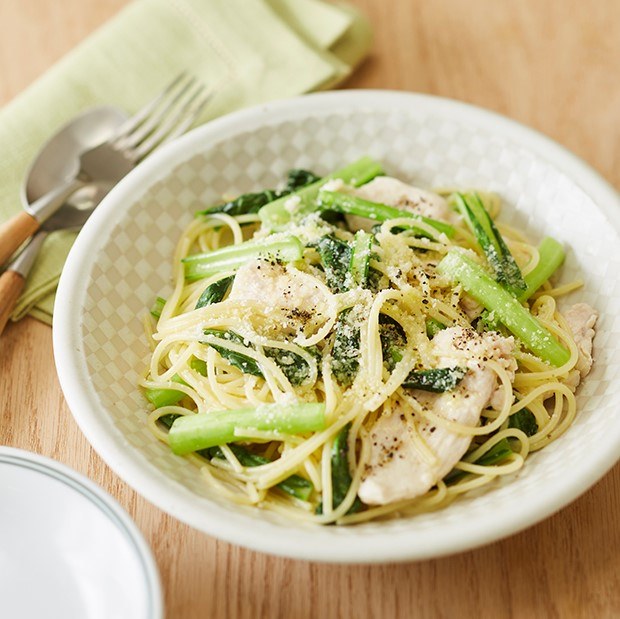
(426, 143)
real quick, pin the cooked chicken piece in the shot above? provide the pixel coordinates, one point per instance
(397, 468)
(581, 319)
(465, 347)
(572, 380)
(291, 297)
(393, 192)
(458, 346)
(471, 308)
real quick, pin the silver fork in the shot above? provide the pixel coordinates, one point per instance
(164, 118)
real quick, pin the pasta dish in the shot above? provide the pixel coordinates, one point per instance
(352, 347)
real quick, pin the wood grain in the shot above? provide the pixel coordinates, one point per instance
(552, 65)
(11, 286)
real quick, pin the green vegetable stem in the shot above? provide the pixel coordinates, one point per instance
(551, 255)
(460, 268)
(490, 240)
(275, 215)
(194, 432)
(286, 248)
(353, 205)
(360, 258)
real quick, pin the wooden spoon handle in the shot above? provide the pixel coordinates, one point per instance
(11, 285)
(14, 232)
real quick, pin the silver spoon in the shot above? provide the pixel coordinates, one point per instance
(55, 168)
(50, 170)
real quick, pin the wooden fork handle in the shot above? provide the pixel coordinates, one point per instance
(11, 286)
(14, 232)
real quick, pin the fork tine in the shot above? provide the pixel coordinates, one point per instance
(134, 121)
(175, 124)
(155, 116)
(192, 115)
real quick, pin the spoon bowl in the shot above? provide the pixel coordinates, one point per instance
(57, 161)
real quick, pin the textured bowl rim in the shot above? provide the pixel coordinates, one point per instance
(317, 545)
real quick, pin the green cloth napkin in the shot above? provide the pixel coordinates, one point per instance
(247, 51)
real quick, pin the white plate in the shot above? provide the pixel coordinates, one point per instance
(67, 549)
(122, 261)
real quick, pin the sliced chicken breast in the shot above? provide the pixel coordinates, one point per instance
(393, 192)
(581, 319)
(466, 347)
(291, 297)
(398, 469)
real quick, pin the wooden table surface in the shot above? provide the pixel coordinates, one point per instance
(552, 64)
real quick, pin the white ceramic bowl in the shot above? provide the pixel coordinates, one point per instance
(122, 260)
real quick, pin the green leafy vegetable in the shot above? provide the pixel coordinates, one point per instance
(295, 485)
(347, 265)
(168, 420)
(244, 204)
(294, 366)
(498, 453)
(194, 432)
(198, 365)
(551, 257)
(335, 258)
(393, 341)
(253, 202)
(215, 292)
(487, 321)
(433, 327)
(298, 178)
(490, 240)
(436, 380)
(246, 364)
(341, 477)
(525, 421)
(460, 268)
(163, 397)
(346, 351)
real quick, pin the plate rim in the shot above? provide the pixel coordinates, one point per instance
(178, 500)
(106, 504)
